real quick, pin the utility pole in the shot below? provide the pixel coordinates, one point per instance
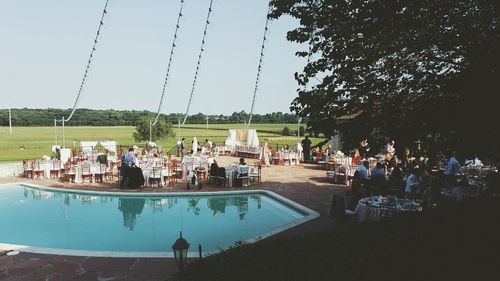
(10, 121)
(207, 122)
(179, 124)
(55, 131)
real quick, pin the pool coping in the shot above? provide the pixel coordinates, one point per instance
(308, 213)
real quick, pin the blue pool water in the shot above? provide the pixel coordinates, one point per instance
(48, 218)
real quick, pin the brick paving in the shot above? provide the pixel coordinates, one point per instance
(304, 184)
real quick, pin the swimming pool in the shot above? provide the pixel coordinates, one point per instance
(47, 220)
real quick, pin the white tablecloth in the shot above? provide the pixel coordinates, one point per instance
(368, 209)
(94, 168)
(148, 172)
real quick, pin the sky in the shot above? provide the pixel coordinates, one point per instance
(45, 45)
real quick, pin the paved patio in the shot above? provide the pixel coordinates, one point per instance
(304, 184)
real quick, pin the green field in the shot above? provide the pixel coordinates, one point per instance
(37, 141)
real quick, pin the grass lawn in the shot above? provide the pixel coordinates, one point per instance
(37, 141)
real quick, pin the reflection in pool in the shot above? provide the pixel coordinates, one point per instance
(49, 218)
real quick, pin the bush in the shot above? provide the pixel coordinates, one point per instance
(286, 132)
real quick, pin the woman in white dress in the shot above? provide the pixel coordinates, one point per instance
(266, 154)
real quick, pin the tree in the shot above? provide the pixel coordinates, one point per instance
(407, 69)
(286, 131)
(160, 131)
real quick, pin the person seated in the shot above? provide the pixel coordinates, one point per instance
(413, 184)
(358, 191)
(396, 178)
(363, 171)
(242, 167)
(285, 148)
(378, 170)
(377, 180)
(241, 172)
(214, 168)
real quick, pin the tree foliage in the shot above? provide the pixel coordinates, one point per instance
(406, 69)
(160, 131)
(110, 117)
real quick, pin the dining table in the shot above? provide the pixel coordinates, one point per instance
(370, 208)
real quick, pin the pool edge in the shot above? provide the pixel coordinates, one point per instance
(309, 214)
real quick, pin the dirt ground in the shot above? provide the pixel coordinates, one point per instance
(305, 184)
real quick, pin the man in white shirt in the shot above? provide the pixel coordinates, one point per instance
(451, 170)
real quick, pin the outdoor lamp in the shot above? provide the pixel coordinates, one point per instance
(180, 248)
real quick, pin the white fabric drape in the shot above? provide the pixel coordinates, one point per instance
(109, 145)
(87, 146)
(242, 137)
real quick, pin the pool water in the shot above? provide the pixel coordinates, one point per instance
(48, 218)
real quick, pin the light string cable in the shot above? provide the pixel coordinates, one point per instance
(177, 26)
(259, 69)
(96, 39)
(198, 64)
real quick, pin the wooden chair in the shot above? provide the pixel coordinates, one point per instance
(221, 176)
(256, 174)
(156, 176)
(69, 173)
(86, 174)
(56, 168)
(243, 176)
(27, 169)
(338, 210)
(38, 170)
(176, 169)
(110, 173)
(169, 177)
(99, 175)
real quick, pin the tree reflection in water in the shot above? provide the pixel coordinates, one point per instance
(218, 204)
(192, 205)
(130, 208)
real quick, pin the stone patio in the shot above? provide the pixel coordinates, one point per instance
(305, 184)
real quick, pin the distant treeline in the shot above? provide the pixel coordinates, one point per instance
(110, 117)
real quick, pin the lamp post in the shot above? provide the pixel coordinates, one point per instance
(150, 130)
(180, 248)
(298, 129)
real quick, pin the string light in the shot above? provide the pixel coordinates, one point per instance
(203, 40)
(259, 68)
(177, 26)
(89, 62)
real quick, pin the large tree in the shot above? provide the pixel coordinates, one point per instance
(407, 69)
(161, 130)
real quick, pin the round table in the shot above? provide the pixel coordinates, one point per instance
(369, 208)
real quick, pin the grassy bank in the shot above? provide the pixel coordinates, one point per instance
(455, 243)
(37, 141)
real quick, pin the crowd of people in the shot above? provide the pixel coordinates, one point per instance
(412, 174)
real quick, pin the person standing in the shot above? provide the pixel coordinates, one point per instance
(451, 170)
(364, 148)
(306, 146)
(183, 148)
(128, 160)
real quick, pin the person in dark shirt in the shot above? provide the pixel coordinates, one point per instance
(214, 168)
(306, 146)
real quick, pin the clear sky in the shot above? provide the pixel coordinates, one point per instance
(45, 44)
